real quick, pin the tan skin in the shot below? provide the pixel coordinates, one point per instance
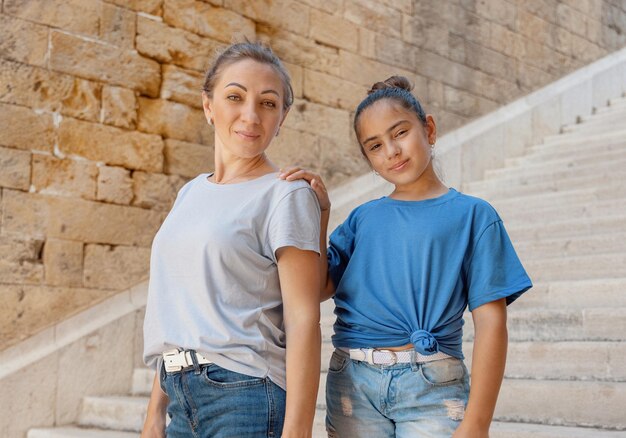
(247, 110)
(397, 145)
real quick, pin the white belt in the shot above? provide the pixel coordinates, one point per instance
(377, 356)
(177, 360)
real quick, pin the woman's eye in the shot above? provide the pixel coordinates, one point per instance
(269, 104)
(233, 97)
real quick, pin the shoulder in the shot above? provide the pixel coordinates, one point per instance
(477, 208)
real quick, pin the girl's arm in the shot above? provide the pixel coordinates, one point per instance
(299, 282)
(488, 361)
(154, 425)
(327, 289)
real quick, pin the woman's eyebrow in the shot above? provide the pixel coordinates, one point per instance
(245, 89)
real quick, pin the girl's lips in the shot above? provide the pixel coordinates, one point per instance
(399, 166)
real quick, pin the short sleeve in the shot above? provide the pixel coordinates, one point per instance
(295, 222)
(340, 247)
(494, 271)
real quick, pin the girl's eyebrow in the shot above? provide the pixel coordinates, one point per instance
(395, 125)
(245, 89)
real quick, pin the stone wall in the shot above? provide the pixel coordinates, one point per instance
(101, 121)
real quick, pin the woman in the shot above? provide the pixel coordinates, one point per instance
(234, 275)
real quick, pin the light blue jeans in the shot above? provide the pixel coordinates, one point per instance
(403, 400)
(218, 403)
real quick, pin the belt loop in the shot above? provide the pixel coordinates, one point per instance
(194, 359)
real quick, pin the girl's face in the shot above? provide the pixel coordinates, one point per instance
(396, 142)
(246, 108)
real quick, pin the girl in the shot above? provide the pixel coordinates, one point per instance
(234, 275)
(402, 270)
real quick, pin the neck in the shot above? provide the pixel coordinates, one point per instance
(230, 168)
(428, 186)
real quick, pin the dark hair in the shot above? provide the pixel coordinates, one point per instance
(248, 50)
(397, 88)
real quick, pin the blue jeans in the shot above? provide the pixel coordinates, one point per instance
(403, 400)
(218, 403)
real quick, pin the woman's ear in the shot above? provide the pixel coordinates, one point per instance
(431, 129)
(207, 106)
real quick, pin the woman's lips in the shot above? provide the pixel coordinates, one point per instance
(248, 135)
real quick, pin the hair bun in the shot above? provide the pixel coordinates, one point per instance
(392, 82)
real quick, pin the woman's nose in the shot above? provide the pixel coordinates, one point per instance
(249, 113)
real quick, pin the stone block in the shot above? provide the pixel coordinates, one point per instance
(448, 121)
(64, 177)
(28, 397)
(24, 128)
(489, 61)
(334, 31)
(531, 78)
(295, 148)
(332, 6)
(49, 91)
(15, 165)
(117, 267)
(118, 26)
(374, 15)
(365, 72)
(63, 262)
(466, 104)
(535, 28)
(499, 11)
(318, 119)
(77, 16)
(174, 120)
(395, 52)
(174, 46)
(207, 20)
(38, 217)
(467, 24)
(155, 190)
(506, 41)
(341, 160)
(23, 41)
(518, 137)
(119, 107)
(152, 7)
(22, 272)
(187, 159)
(575, 103)
(296, 73)
(114, 185)
(110, 145)
(367, 43)
(331, 90)
(140, 315)
(15, 249)
(546, 9)
(571, 19)
(104, 62)
(285, 14)
(184, 86)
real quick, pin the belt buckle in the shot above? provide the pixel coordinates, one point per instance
(168, 358)
(394, 356)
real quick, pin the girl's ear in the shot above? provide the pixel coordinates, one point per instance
(431, 129)
(207, 105)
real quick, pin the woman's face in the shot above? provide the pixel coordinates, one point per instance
(246, 108)
(396, 142)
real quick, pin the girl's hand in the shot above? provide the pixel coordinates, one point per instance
(465, 430)
(314, 180)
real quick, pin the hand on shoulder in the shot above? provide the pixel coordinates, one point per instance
(314, 180)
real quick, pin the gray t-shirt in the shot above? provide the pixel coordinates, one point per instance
(214, 283)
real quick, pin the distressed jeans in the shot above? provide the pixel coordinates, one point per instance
(218, 403)
(402, 400)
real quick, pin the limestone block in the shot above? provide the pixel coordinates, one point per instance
(63, 262)
(15, 165)
(365, 72)
(118, 267)
(576, 102)
(114, 185)
(296, 73)
(152, 7)
(518, 137)
(104, 62)
(42, 89)
(15, 249)
(77, 16)
(584, 51)
(319, 119)
(286, 14)
(23, 128)
(325, 5)
(498, 11)
(107, 350)
(405, 6)
(563, 40)
(174, 120)
(174, 46)
(22, 272)
(489, 61)
(374, 15)
(187, 159)
(119, 107)
(111, 145)
(531, 78)
(434, 94)
(23, 41)
(37, 216)
(28, 397)
(571, 19)
(295, 148)
(367, 43)
(334, 31)
(544, 9)
(506, 41)
(207, 20)
(155, 190)
(396, 52)
(469, 25)
(64, 177)
(118, 26)
(536, 28)
(184, 86)
(140, 315)
(341, 160)
(448, 121)
(332, 91)
(466, 104)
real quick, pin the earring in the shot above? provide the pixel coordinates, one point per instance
(211, 121)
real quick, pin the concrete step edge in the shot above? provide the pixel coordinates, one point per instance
(78, 432)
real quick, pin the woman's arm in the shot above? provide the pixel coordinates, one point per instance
(488, 361)
(154, 426)
(327, 289)
(300, 283)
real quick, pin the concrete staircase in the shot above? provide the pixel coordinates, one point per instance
(564, 205)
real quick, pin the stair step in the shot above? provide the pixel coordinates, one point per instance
(572, 247)
(578, 267)
(568, 228)
(597, 123)
(593, 324)
(567, 403)
(562, 162)
(114, 412)
(78, 432)
(589, 361)
(524, 430)
(143, 378)
(580, 141)
(579, 294)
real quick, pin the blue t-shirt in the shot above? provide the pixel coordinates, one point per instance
(405, 271)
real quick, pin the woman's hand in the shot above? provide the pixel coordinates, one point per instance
(314, 180)
(154, 425)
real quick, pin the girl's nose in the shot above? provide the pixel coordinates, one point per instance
(392, 149)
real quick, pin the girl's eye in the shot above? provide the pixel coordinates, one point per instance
(401, 132)
(374, 146)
